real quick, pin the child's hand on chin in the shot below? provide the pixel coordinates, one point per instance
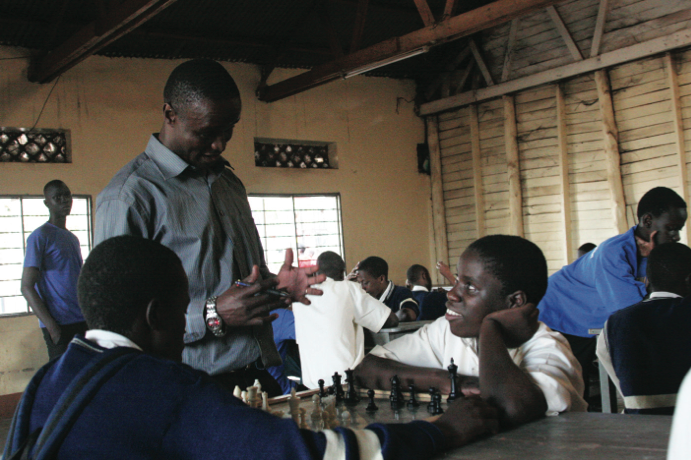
(517, 324)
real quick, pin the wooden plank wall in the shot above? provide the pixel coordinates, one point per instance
(649, 156)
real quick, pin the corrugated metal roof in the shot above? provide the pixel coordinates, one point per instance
(252, 31)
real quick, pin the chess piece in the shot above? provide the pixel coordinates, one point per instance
(412, 402)
(257, 384)
(437, 404)
(243, 396)
(294, 406)
(252, 396)
(237, 392)
(352, 397)
(396, 397)
(453, 369)
(303, 422)
(371, 407)
(337, 387)
(322, 392)
(431, 405)
(265, 402)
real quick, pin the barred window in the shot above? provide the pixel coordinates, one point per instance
(309, 224)
(19, 216)
(279, 153)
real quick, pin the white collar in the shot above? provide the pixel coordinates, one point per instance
(663, 295)
(420, 288)
(108, 339)
(387, 291)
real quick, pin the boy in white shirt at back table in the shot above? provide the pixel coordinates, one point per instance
(329, 331)
(490, 329)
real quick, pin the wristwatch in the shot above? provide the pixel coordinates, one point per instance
(214, 322)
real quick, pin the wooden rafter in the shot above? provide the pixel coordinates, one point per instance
(620, 56)
(425, 12)
(121, 19)
(359, 26)
(481, 63)
(450, 67)
(453, 28)
(599, 28)
(449, 9)
(510, 45)
(458, 83)
(564, 32)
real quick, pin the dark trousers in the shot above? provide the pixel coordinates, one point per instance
(583, 349)
(245, 377)
(67, 333)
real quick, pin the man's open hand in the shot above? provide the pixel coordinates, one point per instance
(247, 306)
(297, 281)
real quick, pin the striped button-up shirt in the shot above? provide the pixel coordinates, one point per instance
(206, 220)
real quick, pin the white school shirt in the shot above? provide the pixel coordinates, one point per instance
(546, 358)
(679, 439)
(329, 331)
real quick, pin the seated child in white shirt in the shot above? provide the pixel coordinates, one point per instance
(491, 331)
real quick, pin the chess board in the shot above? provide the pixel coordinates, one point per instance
(357, 416)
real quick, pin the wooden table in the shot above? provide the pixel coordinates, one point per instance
(385, 336)
(575, 436)
(569, 436)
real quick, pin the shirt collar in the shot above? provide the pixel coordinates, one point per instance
(108, 339)
(420, 288)
(387, 291)
(663, 295)
(169, 163)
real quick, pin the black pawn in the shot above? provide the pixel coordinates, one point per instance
(431, 406)
(437, 404)
(371, 407)
(352, 397)
(412, 402)
(338, 388)
(322, 392)
(396, 397)
(453, 369)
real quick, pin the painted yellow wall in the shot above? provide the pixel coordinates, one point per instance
(112, 106)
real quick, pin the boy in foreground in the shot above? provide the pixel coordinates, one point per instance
(134, 294)
(491, 331)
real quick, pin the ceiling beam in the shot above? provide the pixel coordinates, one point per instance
(359, 25)
(453, 28)
(120, 20)
(620, 56)
(425, 12)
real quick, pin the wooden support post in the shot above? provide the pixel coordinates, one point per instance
(508, 55)
(611, 147)
(513, 168)
(477, 171)
(438, 212)
(599, 29)
(678, 131)
(564, 175)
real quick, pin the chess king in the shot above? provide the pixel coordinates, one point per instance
(526, 369)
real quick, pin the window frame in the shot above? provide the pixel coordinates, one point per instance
(339, 212)
(89, 231)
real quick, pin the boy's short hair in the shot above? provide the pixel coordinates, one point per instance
(517, 263)
(375, 266)
(331, 265)
(52, 184)
(415, 272)
(659, 200)
(119, 278)
(668, 265)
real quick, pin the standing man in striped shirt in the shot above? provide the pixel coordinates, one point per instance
(182, 193)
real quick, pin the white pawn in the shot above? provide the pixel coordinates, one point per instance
(303, 423)
(258, 384)
(265, 402)
(237, 392)
(252, 396)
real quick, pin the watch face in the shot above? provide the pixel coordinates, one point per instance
(213, 323)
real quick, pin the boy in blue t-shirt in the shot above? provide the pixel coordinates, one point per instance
(51, 267)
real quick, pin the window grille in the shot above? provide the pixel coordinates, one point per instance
(309, 224)
(34, 146)
(19, 216)
(294, 154)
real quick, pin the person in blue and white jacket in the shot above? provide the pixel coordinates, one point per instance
(134, 293)
(582, 295)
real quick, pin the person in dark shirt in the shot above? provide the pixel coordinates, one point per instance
(373, 276)
(432, 304)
